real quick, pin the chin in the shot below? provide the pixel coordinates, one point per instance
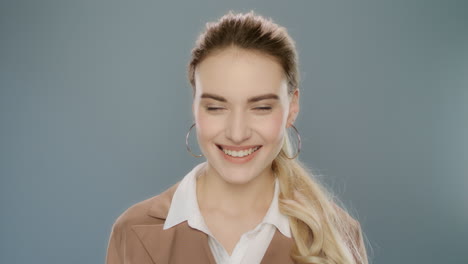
(236, 179)
(239, 175)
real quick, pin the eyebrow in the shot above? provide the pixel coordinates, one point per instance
(250, 100)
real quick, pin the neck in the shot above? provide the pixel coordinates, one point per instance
(214, 193)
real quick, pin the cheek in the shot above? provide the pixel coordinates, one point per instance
(273, 128)
(207, 127)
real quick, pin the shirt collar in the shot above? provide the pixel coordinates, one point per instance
(184, 206)
(274, 216)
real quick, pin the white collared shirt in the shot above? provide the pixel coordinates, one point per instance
(252, 245)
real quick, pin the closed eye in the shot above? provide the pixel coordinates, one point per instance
(216, 109)
(209, 108)
(263, 108)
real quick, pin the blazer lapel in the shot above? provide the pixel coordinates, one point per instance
(279, 250)
(157, 242)
(177, 245)
(180, 244)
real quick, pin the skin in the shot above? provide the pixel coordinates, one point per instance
(233, 198)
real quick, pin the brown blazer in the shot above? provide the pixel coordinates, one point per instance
(138, 237)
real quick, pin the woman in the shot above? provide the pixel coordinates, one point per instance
(251, 201)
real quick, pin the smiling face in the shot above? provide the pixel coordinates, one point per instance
(241, 109)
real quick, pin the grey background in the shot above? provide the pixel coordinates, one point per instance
(95, 105)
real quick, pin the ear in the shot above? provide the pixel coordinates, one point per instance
(293, 108)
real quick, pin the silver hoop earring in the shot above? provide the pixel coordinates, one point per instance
(187, 144)
(299, 144)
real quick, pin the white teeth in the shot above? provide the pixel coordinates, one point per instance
(241, 153)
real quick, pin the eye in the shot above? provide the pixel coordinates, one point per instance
(263, 108)
(213, 109)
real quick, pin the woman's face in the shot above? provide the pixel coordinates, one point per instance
(241, 109)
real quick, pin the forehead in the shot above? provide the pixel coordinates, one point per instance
(238, 73)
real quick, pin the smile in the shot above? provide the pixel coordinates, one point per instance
(238, 152)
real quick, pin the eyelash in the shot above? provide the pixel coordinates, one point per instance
(261, 108)
(213, 108)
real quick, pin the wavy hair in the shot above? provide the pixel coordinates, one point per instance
(323, 232)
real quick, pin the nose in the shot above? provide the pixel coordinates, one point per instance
(238, 127)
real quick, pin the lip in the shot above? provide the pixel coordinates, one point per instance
(240, 160)
(237, 148)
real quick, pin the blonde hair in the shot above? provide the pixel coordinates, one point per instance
(323, 232)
